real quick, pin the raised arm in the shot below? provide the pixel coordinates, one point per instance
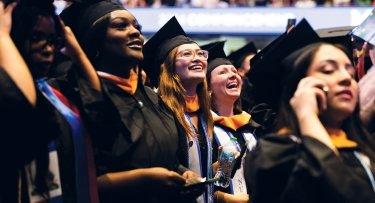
(78, 56)
(308, 100)
(10, 58)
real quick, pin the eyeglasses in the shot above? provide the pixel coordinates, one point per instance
(37, 37)
(190, 54)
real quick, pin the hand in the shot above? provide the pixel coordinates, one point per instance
(371, 53)
(170, 186)
(367, 96)
(310, 97)
(72, 47)
(78, 56)
(6, 17)
(222, 197)
(237, 198)
(191, 176)
(308, 101)
(163, 180)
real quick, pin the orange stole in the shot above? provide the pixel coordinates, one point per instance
(129, 85)
(191, 103)
(233, 122)
(339, 140)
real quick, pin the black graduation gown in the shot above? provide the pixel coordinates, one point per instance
(22, 139)
(289, 169)
(133, 131)
(247, 99)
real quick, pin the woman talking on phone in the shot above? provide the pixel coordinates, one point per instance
(319, 152)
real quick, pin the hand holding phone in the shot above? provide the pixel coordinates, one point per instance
(196, 187)
(310, 97)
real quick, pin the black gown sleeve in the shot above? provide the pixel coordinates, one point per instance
(22, 134)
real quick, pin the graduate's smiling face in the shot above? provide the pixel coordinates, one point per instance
(191, 63)
(41, 45)
(123, 38)
(225, 83)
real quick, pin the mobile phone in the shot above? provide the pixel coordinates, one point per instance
(319, 100)
(196, 188)
(202, 181)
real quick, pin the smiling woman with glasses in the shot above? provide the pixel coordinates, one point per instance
(179, 70)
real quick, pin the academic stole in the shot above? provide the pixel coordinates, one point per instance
(237, 183)
(129, 85)
(194, 153)
(86, 189)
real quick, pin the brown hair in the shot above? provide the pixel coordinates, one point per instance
(172, 93)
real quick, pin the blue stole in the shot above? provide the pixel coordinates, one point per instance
(74, 121)
(208, 196)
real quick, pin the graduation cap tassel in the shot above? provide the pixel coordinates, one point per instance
(361, 61)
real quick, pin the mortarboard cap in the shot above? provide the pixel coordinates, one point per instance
(81, 17)
(216, 55)
(337, 35)
(240, 54)
(39, 3)
(157, 48)
(267, 73)
(260, 54)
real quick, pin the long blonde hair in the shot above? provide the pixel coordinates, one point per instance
(172, 92)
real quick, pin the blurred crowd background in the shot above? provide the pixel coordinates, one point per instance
(243, 3)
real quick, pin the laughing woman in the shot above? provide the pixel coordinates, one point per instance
(229, 120)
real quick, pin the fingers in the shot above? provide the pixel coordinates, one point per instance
(237, 154)
(6, 17)
(61, 22)
(177, 178)
(10, 7)
(191, 175)
(311, 95)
